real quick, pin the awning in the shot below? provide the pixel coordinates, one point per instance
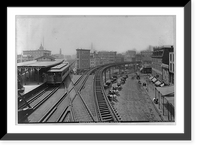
(108, 81)
(166, 90)
(161, 85)
(157, 82)
(151, 77)
(154, 80)
(170, 100)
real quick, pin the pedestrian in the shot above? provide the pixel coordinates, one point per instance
(147, 89)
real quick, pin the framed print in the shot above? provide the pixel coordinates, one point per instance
(98, 73)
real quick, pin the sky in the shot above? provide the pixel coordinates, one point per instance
(105, 33)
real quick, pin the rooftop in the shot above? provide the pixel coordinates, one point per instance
(40, 64)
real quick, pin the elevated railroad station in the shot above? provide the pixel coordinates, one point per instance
(80, 101)
(33, 72)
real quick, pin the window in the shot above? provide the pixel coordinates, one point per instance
(170, 57)
(170, 67)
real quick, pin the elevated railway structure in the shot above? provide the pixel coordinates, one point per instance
(64, 108)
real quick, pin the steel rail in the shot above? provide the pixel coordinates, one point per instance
(45, 98)
(33, 108)
(65, 111)
(105, 110)
(35, 97)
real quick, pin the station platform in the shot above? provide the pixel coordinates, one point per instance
(28, 88)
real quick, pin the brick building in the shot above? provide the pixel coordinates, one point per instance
(107, 57)
(146, 56)
(83, 58)
(119, 58)
(171, 67)
(130, 56)
(160, 62)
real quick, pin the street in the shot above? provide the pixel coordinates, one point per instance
(134, 105)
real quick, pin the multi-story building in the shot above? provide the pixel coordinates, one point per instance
(24, 58)
(97, 60)
(37, 53)
(146, 56)
(119, 58)
(83, 58)
(130, 56)
(138, 57)
(160, 62)
(107, 57)
(92, 60)
(171, 67)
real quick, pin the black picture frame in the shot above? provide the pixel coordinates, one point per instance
(124, 136)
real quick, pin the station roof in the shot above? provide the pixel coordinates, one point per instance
(39, 64)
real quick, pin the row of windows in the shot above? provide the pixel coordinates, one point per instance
(171, 67)
(65, 71)
(171, 57)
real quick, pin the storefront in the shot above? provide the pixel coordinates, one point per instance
(165, 96)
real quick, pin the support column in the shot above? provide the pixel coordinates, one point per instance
(38, 76)
(25, 80)
(109, 72)
(105, 75)
(29, 74)
(120, 70)
(169, 109)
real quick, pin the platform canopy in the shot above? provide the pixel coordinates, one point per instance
(39, 64)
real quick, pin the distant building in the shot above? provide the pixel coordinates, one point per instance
(107, 57)
(92, 60)
(138, 57)
(45, 58)
(83, 58)
(97, 59)
(146, 56)
(58, 56)
(119, 58)
(37, 53)
(160, 63)
(24, 58)
(130, 56)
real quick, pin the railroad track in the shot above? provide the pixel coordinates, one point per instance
(106, 112)
(38, 100)
(63, 110)
(34, 98)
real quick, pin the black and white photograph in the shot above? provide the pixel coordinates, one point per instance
(98, 73)
(95, 69)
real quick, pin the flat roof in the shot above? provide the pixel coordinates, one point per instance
(39, 63)
(58, 70)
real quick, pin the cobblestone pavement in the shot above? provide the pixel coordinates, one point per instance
(79, 111)
(134, 105)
